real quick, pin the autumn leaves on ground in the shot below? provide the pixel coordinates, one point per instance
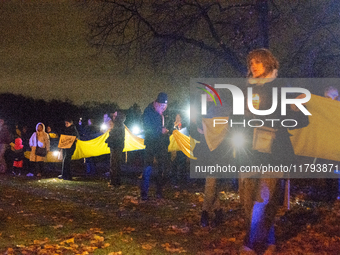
(86, 216)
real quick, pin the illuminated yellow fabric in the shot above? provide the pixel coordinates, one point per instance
(132, 142)
(214, 135)
(50, 157)
(53, 135)
(181, 142)
(91, 148)
(97, 146)
(321, 138)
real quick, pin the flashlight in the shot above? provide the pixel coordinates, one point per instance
(103, 127)
(136, 130)
(238, 140)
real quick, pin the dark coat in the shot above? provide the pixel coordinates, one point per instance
(71, 130)
(282, 149)
(116, 137)
(152, 122)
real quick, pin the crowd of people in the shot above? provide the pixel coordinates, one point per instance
(15, 145)
(261, 197)
(20, 151)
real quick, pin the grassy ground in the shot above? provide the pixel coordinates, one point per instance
(87, 216)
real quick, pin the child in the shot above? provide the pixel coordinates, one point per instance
(18, 156)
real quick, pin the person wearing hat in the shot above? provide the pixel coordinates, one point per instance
(156, 143)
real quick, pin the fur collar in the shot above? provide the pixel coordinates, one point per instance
(260, 81)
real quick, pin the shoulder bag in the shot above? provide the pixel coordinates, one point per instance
(39, 151)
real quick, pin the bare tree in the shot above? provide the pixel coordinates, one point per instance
(176, 28)
(219, 34)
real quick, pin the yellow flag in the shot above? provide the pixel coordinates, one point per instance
(321, 138)
(215, 135)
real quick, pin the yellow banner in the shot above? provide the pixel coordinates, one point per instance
(321, 138)
(215, 135)
(97, 146)
(181, 142)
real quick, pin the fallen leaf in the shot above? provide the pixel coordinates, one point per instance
(58, 226)
(106, 245)
(128, 230)
(147, 246)
(98, 238)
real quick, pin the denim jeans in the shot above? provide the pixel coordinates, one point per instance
(160, 153)
(260, 198)
(90, 165)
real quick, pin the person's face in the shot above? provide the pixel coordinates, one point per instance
(333, 94)
(40, 128)
(67, 124)
(160, 107)
(48, 129)
(256, 68)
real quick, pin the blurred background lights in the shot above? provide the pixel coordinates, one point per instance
(136, 130)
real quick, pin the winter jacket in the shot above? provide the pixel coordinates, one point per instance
(116, 137)
(282, 151)
(43, 141)
(18, 153)
(72, 131)
(152, 122)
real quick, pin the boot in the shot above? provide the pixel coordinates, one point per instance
(204, 219)
(218, 220)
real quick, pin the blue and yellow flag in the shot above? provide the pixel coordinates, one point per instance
(320, 139)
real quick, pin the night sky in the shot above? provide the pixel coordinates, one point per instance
(45, 55)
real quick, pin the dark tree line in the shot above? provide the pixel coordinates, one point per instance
(20, 111)
(26, 111)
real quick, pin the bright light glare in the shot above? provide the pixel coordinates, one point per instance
(238, 140)
(188, 112)
(56, 153)
(136, 130)
(103, 127)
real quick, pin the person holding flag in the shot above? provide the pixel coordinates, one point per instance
(268, 144)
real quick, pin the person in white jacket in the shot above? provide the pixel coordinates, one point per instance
(41, 138)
